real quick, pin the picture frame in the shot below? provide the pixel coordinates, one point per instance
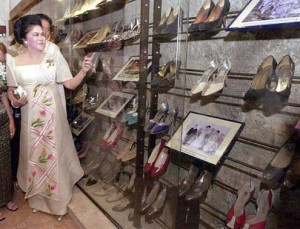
(205, 137)
(130, 70)
(80, 123)
(259, 14)
(114, 103)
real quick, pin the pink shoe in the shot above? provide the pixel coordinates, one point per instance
(161, 163)
(264, 204)
(236, 216)
(113, 138)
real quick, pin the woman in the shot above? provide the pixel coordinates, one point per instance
(7, 131)
(48, 165)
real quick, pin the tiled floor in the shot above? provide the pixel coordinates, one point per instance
(25, 219)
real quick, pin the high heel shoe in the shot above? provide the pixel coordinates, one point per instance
(163, 21)
(220, 80)
(264, 204)
(216, 18)
(84, 151)
(292, 176)
(130, 155)
(173, 22)
(285, 72)
(200, 188)
(161, 163)
(151, 197)
(168, 82)
(202, 15)
(154, 154)
(236, 216)
(165, 69)
(276, 169)
(263, 75)
(167, 122)
(107, 134)
(113, 138)
(162, 112)
(59, 218)
(187, 182)
(158, 205)
(101, 35)
(126, 149)
(201, 84)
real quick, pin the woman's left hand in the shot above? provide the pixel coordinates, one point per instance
(87, 63)
(12, 129)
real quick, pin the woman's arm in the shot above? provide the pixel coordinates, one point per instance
(16, 103)
(86, 66)
(8, 110)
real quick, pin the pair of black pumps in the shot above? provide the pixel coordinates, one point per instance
(210, 16)
(272, 78)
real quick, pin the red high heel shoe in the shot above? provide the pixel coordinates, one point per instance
(264, 204)
(236, 216)
(154, 154)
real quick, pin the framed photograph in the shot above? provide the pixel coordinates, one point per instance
(81, 122)
(267, 14)
(82, 43)
(205, 137)
(114, 103)
(130, 70)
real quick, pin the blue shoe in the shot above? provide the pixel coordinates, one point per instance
(161, 113)
(166, 124)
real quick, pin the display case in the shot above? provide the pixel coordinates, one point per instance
(180, 117)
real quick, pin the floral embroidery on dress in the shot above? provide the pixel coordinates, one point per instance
(44, 157)
(50, 62)
(38, 122)
(47, 100)
(31, 181)
(36, 89)
(49, 189)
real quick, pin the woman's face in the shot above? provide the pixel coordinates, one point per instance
(35, 38)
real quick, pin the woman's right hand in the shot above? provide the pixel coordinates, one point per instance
(16, 102)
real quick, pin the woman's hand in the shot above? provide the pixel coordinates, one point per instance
(87, 63)
(16, 102)
(12, 128)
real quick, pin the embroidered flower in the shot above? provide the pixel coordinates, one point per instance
(50, 62)
(43, 112)
(35, 90)
(50, 156)
(50, 134)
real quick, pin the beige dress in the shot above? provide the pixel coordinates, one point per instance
(48, 166)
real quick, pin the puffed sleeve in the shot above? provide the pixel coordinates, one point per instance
(63, 72)
(10, 74)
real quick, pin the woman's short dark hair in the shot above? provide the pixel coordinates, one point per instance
(45, 17)
(22, 26)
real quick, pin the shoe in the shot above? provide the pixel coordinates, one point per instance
(188, 181)
(165, 69)
(12, 206)
(236, 216)
(126, 149)
(264, 73)
(285, 72)
(292, 176)
(117, 194)
(59, 218)
(167, 82)
(1, 217)
(34, 210)
(163, 21)
(161, 163)
(200, 188)
(158, 205)
(123, 205)
(113, 138)
(162, 112)
(201, 84)
(220, 80)
(166, 123)
(131, 182)
(216, 18)
(107, 134)
(264, 204)
(202, 15)
(83, 151)
(100, 35)
(173, 22)
(130, 155)
(131, 215)
(150, 198)
(153, 156)
(276, 169)
(104, 191)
